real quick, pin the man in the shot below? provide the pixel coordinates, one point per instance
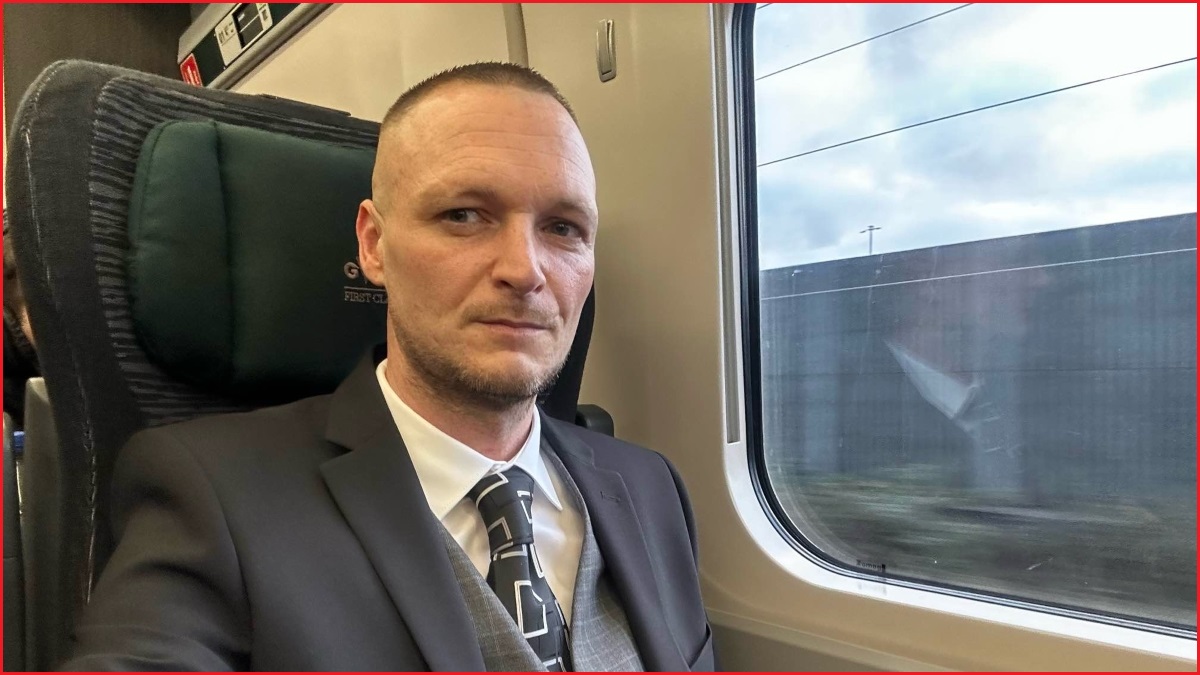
(425, 515)
(20, 356)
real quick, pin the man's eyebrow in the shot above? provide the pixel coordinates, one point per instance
(437, 192)
(573, 206)
(481, 193)
(486, 194)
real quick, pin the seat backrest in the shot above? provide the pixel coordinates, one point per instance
(183, 252)
(14, 573)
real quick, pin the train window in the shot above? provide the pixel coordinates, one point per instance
(971, 279)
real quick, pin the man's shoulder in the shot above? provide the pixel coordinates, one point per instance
(263, 431)
(618, 455)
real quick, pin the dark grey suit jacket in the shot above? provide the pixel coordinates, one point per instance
(298, 538)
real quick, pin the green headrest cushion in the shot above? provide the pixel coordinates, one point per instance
(242, 269)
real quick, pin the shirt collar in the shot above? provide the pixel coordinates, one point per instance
(448, 468)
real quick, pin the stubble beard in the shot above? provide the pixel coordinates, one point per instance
(455, 382)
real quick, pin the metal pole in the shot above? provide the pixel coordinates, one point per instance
(870, 232)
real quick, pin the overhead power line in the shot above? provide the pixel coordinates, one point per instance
(975, 110)
(861, 42)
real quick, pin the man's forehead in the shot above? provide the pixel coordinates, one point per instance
(448, 143)
(463, 155)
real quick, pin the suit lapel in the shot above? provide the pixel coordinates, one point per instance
(623, 546)
(377, 490)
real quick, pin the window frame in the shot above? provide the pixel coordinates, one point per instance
(982, 604)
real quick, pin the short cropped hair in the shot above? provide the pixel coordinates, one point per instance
(490, 72)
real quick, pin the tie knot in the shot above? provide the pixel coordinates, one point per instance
(505, 500)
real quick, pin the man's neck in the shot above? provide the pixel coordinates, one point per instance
(495, 434)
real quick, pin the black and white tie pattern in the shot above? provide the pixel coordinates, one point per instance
(505, 500)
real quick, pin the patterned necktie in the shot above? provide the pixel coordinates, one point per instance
(505, 500)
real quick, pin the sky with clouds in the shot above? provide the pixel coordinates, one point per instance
(1112, 151)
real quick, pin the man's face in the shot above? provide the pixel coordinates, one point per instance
(482, 230)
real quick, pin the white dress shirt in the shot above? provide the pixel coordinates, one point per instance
(448, 469)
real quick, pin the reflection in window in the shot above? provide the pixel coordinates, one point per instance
(978, 330)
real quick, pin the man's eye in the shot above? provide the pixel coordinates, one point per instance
(462, 216)
(564, 229)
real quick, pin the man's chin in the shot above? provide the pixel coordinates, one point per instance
(508, 382)
(516, 377)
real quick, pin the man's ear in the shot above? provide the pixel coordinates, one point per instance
(370, 242)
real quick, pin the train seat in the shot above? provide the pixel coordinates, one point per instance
(184, 252)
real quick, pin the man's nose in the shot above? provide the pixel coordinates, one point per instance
(518, 257)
